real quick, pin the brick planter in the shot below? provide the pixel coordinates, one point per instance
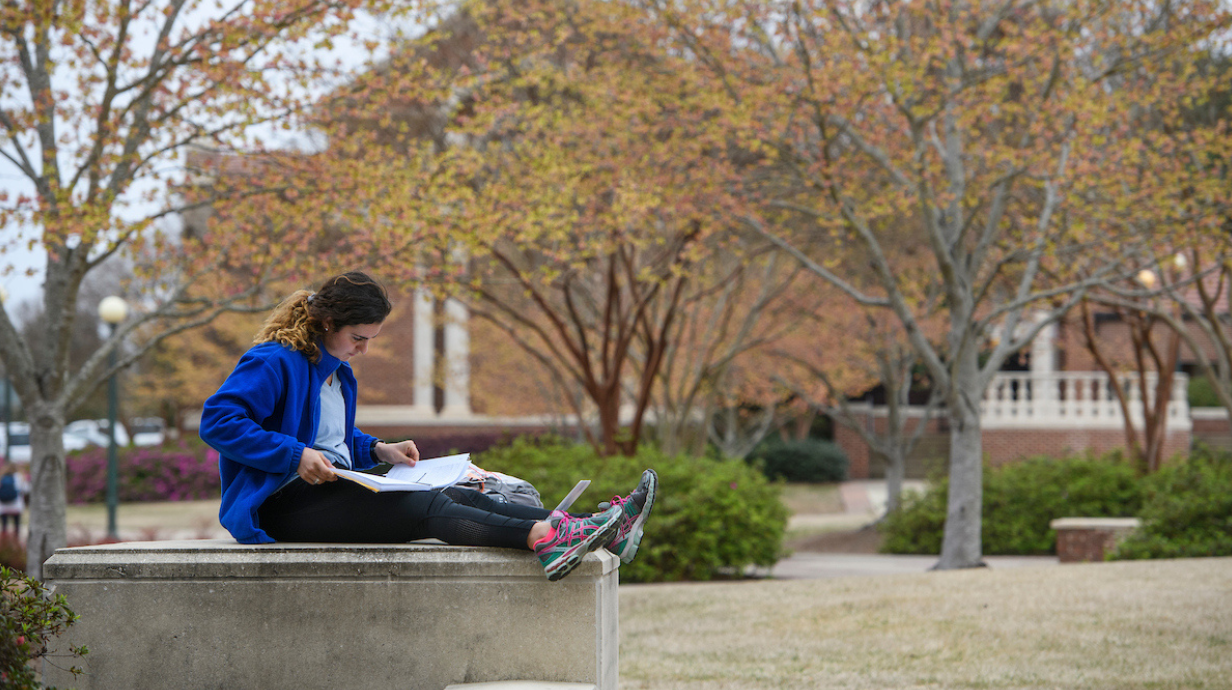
(1081, 540)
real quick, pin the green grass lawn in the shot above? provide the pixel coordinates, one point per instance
(1107, 626)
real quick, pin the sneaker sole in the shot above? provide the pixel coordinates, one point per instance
(573, 558)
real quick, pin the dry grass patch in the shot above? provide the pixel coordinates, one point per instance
(1114, 626)
(812, 499)
(149, 520)
(816, 509)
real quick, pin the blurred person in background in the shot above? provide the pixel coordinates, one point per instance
(13, 491)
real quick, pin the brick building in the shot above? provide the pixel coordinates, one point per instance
(1060, 404)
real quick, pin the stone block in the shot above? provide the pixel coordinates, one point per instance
(217, 614)
(1082, 540)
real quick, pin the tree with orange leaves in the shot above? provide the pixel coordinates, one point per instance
(981, 123)
(579, 181)
(101, 103)
(1174, 293)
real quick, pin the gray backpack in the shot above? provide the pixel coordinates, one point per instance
(501, 487)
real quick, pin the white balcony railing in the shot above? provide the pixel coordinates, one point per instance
(1075, 400)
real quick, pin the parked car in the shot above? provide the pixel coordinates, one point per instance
(73, 442)
(19, 447)
(148, 431)
(94, 432)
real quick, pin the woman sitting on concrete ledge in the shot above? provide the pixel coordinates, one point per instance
(285, 418)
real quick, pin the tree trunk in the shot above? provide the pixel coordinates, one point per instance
(895, 471)
(48, 524)
(607, 403)
(961, 546)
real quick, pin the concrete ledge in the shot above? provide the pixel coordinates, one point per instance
(214, 613)
(1083, 539)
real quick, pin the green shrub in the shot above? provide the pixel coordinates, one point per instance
(1020, 500)
(807, 460)
(712, 518)
(1187, 511)
(30, 618)
(918, 525)
(1202, 393)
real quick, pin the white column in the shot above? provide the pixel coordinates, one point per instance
(457, 360)
(1044, 394)
(424, 342)
(1043, 352)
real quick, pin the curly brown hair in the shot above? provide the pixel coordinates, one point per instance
(348, 299)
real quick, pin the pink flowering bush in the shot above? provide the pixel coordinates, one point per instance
(178, 471)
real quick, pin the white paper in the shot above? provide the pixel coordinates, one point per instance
(431, 473)
(435, 472)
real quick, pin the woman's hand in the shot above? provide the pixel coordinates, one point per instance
(314, 468)
(394, 453)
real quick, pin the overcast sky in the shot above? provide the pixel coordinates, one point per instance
(19, 258)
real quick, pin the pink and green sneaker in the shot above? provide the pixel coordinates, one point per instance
(572, 538)
(634, 509)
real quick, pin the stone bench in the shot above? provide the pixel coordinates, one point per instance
(1082, 539)
(217, 614)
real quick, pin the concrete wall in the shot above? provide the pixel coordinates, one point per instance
(216, 614)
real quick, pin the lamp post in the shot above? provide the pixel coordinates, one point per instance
(8, 395)
(112, 310)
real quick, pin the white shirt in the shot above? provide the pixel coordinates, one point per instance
(331, 431)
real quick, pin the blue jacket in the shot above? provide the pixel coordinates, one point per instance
(260, 421)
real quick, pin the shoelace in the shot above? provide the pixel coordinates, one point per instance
(570, 528)
(626, 520)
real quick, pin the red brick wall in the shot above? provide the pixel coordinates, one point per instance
(856, 449)
(434, 439)
(1206, 426)
(1114, 341)
(1084, 545)
(386, 372)
(932, 448)
(1006, 445)
(1211, 427)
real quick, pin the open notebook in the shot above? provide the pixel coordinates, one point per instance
(430, 473)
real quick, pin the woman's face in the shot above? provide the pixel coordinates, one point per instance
(348, 341)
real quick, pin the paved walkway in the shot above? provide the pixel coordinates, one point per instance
(863, 502)
(813, 566)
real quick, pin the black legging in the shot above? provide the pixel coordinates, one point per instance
(344, 512)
